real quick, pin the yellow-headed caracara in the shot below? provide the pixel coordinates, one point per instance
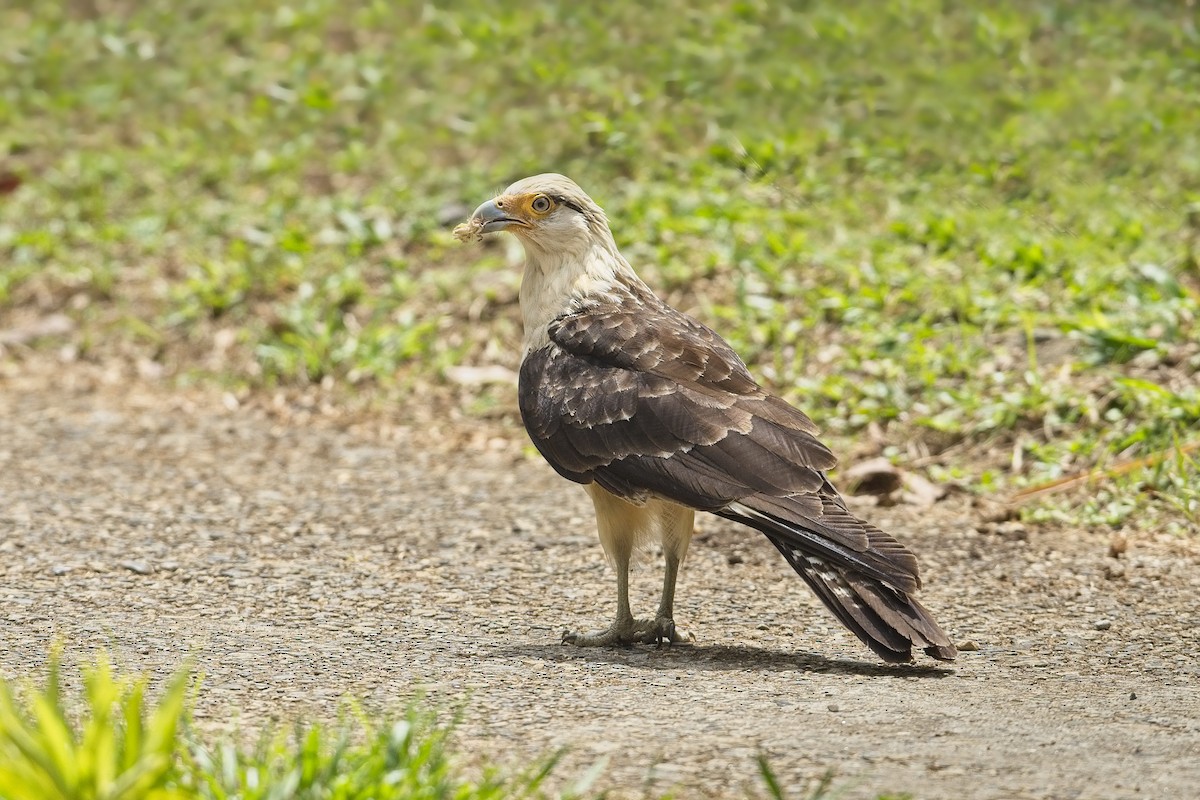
(658, 418)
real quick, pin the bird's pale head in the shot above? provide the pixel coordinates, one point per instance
(547, 212)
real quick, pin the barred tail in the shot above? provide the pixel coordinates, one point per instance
(863, 575)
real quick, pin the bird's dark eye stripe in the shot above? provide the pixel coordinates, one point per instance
(569, 204)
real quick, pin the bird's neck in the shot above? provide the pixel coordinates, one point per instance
(563, 280)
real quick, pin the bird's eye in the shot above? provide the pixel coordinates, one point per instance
(541, 204)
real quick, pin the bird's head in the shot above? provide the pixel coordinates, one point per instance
(546, 212)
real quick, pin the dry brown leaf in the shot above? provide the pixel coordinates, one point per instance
(920, 491)
(876, 476)
(52, 325)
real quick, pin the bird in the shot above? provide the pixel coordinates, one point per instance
(657, 417)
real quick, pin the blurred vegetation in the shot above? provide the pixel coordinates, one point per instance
(120, 749)
(116, 752)
(974, 224)
(115, 740)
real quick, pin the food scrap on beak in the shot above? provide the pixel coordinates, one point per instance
(469, 231)
(490, 217)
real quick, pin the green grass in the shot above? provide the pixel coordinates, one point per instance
(115, 745)
(117, 752)
(117, 748)
(977, 225)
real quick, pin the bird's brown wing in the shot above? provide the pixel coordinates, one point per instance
(644, 399)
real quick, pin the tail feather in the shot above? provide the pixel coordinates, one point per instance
(859, 617)
(868, 590)
(906, 614)
(831, 532)
(832, 526)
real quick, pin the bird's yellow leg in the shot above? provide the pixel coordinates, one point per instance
(627, 630)
(677, 523)
(662, 627)
(624, 629)
(621, 525)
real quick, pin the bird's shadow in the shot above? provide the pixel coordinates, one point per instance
(719, 658)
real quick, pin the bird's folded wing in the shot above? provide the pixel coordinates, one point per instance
(656, 402)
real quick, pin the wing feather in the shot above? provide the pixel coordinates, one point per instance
(635, 380)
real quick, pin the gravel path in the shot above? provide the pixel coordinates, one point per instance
(297, 559)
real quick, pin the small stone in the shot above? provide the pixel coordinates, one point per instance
(60, 569)
(1103, 624)
(1114, 569)
(140, 567)
(1133, 695)
(1013, 531)
(968, 646)
(834, 707)
(992, 511)
(1118, 545)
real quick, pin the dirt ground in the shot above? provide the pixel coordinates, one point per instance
(297, 557)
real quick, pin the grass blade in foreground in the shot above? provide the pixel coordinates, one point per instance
(405, 758)
(117, 749)
(43, 755)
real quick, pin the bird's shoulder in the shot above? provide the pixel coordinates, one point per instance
(632, 328)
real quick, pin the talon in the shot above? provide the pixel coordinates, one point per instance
(613, 636)
(657, 631)
(660, 631)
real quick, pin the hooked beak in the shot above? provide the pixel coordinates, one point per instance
(493, 219)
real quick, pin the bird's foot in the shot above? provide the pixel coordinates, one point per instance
(660, 631)
(614, 636)
(632, 631)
